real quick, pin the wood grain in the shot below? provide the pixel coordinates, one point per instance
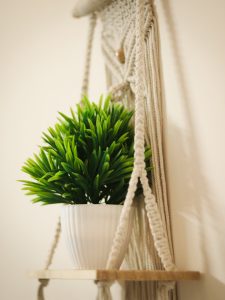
(112, 275)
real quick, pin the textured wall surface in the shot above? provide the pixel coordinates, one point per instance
(193, 63)
(41, 61)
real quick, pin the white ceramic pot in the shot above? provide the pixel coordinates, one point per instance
(89, 230)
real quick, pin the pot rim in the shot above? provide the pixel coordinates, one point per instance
(91, 204)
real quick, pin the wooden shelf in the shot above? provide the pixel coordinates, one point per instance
(121, 275)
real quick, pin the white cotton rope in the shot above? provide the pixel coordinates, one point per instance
(86, 75)
(139, 172)
(103, 290)
(141, 49)
(115, 18)
(44, 282)
(84, 91)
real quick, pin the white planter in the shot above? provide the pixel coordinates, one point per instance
(89, 230)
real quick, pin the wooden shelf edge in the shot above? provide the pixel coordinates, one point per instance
(120, 275)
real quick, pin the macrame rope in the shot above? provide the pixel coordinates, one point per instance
(84, 91)
(118, 91)
(54, 245)
(135, 61)
(139, 172)
(115, 18)
(42, 285)
(45, 282)
(91, 30)
(103, 290)
(138, 148)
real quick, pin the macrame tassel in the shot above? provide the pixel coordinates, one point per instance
(140, 290)
(42, 285)
(139, 171)
(163, 290)
(104, 292)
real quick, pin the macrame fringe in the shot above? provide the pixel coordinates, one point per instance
(163, 290)
(104, 292)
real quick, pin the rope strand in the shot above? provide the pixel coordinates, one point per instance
(45, 282)
(154, 218)
(91, 30)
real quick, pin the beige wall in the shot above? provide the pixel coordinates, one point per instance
(193, 59)
(41, 60)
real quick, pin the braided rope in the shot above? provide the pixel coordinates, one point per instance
(154, 218)
(138, 143)
(139, 172)
(156, 225)
(91, 30)
(54, 245)
(131, 53)
(45, 282)
(121, 228)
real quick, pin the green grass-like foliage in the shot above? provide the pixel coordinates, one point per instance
(86, 158)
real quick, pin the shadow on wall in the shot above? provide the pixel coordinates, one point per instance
(196, 233)
(196, 207)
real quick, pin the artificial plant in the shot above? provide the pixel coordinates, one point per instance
(86, 158)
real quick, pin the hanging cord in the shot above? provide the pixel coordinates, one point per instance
(45, 282)
(139, 171)
(91, 30)
(84, 91)
(42, 285)
(138, 157)
(104, 292)
(103, 286)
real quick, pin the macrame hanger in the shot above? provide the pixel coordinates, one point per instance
(139, 172)
(84, 92)
(86, 75)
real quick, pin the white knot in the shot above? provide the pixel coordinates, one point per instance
(117, 91)
(166, 285)
(102, 284)
(103, 290)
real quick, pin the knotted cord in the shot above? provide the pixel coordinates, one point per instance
(134, 79)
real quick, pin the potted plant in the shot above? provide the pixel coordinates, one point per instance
(86, 159)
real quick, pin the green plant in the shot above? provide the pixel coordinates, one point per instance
(86, 158)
